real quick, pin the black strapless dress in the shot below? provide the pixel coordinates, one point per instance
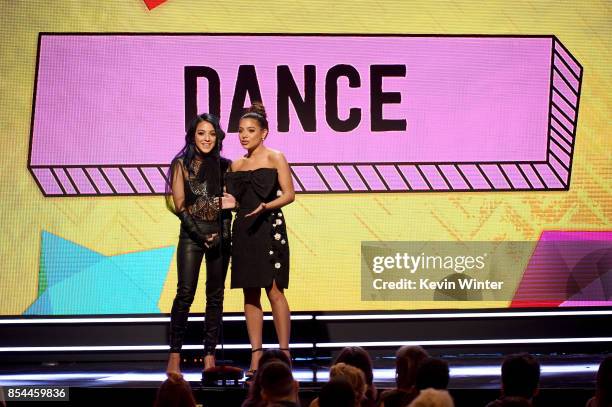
(260, 248)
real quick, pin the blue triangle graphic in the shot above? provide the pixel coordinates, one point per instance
(63, 258)
(82, 281)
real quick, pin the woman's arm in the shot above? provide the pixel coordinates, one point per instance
(178, 186)
(178, 198)
(286, 182)
(228, 201)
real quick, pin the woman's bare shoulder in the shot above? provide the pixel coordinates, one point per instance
(275, 157)
(237, 164)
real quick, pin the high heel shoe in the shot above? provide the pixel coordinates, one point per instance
(250, 374)
(289, 352)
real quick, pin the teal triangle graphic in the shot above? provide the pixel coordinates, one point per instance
(63, 258)
(143, 269)
(80, 281)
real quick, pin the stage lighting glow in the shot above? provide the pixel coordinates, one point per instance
(338, 317)
(135, 347)
(304, 375)
(514, 314)
(131, 320)
(465, 342)
(311, 345)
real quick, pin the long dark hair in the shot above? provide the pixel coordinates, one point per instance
(212, 162)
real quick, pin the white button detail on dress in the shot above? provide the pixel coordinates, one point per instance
(277, 265)
(280, 215)
(271, 252)
(277, 236)
(283, 241)
(279, 192)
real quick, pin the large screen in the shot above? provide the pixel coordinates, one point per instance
(419, 151)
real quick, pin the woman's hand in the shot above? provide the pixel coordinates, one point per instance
(259, 209)
(211, 240)
(228, 201)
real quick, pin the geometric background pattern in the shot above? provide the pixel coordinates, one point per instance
(75, 280)
(325, 230)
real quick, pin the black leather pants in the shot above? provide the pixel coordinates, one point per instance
(189, 259)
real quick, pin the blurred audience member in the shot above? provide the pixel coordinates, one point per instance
(432, 398)
(277, 385)
(175, 392)
(515, 402)
(254, 396)
(338, 392)
(358, 357)
(407, 362)
(433, 373)
(353, 376)
(520, 376)
(603, 393)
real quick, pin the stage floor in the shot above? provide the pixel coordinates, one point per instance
(467, 372)
(566, 380)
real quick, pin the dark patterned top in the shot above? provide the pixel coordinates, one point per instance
(200, 202)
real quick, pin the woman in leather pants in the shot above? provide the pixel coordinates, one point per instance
(194, 194)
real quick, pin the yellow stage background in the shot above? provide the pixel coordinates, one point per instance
(325, 230)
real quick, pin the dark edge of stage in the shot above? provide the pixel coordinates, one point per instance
(114, 358)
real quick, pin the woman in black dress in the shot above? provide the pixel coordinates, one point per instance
(193, 194)
(261, 184)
